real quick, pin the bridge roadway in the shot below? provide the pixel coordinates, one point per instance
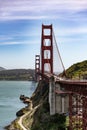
(70, 86)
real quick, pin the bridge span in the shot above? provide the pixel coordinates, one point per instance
(65, 95)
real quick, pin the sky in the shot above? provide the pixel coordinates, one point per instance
(20, 30)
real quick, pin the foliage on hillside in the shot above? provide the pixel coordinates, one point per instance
(77, 71)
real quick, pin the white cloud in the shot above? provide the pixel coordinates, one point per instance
(26, 17)
(5, 37)
(38, 9)
(70, 31)
(9, 43)
(20, 42)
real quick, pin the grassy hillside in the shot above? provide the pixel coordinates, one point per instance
(77, 71)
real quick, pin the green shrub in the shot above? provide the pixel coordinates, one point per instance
(36, 127)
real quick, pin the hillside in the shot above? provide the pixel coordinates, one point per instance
(77, 71)
(17, 74)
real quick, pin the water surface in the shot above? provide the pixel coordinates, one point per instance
(10, 103)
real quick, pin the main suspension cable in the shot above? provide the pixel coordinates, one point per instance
(58, 51)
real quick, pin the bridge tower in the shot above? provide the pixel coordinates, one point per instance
(37, 66)
(47, 32)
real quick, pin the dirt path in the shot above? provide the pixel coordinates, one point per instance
(21, 118)
(31, 111)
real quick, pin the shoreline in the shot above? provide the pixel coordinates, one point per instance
(18, 124)
(36, 113)
(10, 92)
(23, 112)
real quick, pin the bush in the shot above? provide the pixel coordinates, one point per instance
(36, 127)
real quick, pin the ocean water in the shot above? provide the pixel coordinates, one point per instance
(10, 103)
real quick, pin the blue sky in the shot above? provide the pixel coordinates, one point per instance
(20, 30)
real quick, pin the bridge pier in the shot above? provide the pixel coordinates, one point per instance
(52, 95)
(62, 104)
(59, 102)
(58, 99)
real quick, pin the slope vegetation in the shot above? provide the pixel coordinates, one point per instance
(77, 71)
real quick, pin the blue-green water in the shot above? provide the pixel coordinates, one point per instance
(10, 103)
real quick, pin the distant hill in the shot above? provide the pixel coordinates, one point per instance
(17, 74)
(1, 68)
(77, 71)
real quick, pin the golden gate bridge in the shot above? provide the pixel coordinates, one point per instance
(75, 89)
